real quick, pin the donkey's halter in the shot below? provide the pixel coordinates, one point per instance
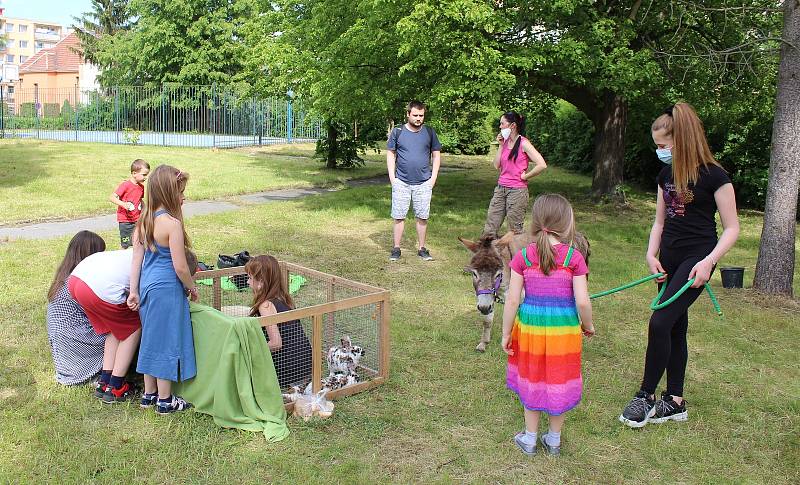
(491, 291)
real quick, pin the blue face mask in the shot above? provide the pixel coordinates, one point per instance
(665, 155)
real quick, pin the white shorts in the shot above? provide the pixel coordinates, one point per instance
(404, 194)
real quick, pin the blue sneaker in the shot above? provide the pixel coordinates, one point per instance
(174, 405)
(148, 400)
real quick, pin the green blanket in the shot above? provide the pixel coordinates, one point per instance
(236, 381)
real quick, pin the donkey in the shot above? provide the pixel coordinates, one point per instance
(487, 269)
(491, 272)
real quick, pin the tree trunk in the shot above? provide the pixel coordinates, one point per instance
(333, 146)
(775, 266)
(609, 146)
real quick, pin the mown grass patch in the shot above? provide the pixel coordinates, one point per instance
(445, 415)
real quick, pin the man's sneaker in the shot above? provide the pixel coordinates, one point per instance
(527, 448)
(666, 409)
(175, 405)
(395, 255)
(424, 254)
(100, 389)
(638, 410)
(118, 395)
(148, 400)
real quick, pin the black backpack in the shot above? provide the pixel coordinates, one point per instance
(240, 259)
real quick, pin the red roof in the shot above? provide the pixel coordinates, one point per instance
(59, 58)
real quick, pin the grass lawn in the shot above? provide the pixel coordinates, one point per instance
(445, 415)
(48, 180)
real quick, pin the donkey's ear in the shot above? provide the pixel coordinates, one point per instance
(505, 241)
(471, 245)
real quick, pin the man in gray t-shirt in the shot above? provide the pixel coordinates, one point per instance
(409, 152)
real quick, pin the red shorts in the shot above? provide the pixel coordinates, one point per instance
(105, 317)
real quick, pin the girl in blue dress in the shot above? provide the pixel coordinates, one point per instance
(160, 281)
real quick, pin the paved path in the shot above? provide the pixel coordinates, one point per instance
(48, 230)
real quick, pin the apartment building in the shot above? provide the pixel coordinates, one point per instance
(23, 40)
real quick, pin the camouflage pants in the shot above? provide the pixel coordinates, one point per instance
(510, 204)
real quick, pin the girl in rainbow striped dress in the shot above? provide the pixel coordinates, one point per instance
(542, 335)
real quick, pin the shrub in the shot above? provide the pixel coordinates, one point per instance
(51, 110)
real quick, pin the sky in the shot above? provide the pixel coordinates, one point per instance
(57, 11)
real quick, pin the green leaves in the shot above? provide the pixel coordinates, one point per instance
(184, 41)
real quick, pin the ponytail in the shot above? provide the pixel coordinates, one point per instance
(519, 120)
(690, 147)
(545, 251)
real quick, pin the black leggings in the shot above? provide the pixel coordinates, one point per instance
(666, 337)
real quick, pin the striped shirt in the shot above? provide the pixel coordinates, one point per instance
(77, 349)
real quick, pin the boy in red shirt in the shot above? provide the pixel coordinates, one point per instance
(128, 199)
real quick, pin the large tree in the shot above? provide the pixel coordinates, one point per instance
(107, 17)
(192, 42)
(776, 256)
(601, 56)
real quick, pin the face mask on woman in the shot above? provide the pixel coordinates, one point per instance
(665, 155)
(505, 132)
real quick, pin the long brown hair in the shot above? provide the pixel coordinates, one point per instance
(165, 187)
(266, 270)
(552, 214)
(690, 146)
(81, 245)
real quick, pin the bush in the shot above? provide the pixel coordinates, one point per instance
(566, 141)
(462, 131)
(27, 110)
(51, 110)
(348, 148)
(67, 111)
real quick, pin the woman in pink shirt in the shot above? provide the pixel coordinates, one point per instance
(510, 199)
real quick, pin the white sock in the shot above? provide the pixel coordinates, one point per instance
(529, 438)
(552, 438)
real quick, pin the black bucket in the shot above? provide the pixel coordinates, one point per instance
(732, 277)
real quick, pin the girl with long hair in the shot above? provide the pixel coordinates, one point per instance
(683, 245)
(160, 280)
(77, 349)
(542, 335)
(291, 350)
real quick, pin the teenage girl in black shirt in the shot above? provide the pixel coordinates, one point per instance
(684, 245)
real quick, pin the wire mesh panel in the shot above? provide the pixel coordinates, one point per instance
(336, 337)
(169, 115)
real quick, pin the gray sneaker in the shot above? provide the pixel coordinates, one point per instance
(553, 450)
(395, 255)
(424, 254)
(528, 449)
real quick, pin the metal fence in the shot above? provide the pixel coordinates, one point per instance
(170, 115)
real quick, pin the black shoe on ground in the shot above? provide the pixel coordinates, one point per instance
(666, 409)
(395, 255)
(122, 394)
(638, 410)
(100, 389)
(424, 254)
